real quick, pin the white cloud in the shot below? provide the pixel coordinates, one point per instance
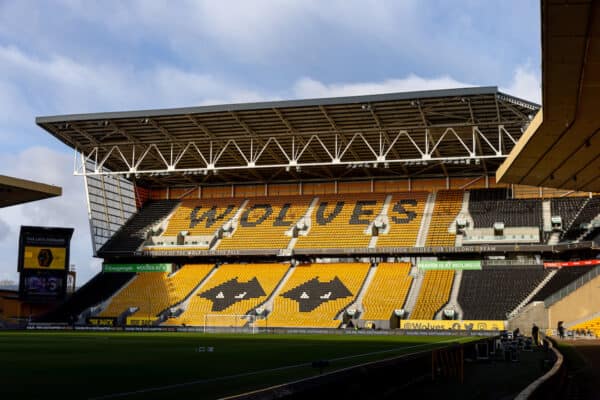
(307, 87)
(526, 84)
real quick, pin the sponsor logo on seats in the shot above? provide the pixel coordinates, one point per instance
(232, 291)
(313, 293)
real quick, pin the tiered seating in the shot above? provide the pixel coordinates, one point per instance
(315, 294)
(588, 212)
(152, 292)
(567, 208)
(341, 220)
(387, 291)
(593, 325)
(132, 234)
(447, 206)
(264, 222)
(562, 278)
(404, 216)
(434, 293)
(486, 208)
(234, 289)
(93, 292)
(202, 217)
(495, 291)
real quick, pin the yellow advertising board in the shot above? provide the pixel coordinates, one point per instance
(472, 325)
(140, 321)
(44, 258)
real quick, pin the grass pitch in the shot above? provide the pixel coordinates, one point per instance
(126, 365)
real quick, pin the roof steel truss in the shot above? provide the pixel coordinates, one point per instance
(296, 151)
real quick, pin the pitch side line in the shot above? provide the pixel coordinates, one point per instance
(262, 371)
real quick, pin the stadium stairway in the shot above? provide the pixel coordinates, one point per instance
(415, 288)
(268, 303)
(233, 222)
(426, 220)
(307, 219)
(453, 303)
(179, 308)
(357, 303)
(547, 215)
(382, 216)
(531, 295)
(176, 308)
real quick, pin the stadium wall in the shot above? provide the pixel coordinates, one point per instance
(342, 187)
(535, 312)
(323, 187)
(578, 305)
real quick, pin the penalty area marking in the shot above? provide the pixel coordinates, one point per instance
(262, 371)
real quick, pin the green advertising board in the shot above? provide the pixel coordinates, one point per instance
(453, 264)
(136, 267)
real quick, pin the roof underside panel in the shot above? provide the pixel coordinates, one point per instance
(561, 149)
(269, 139)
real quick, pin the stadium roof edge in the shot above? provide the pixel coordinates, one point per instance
(468, 91)
(18, 191)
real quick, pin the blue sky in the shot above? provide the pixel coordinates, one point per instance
(72, 56)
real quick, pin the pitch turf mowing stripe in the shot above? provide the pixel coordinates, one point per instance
(265, 371)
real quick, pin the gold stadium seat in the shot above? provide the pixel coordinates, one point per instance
(201, 217)
(448, 204)
(404, 217)
(592, 325)
(315, 294)
(434, 293)
(265, 220)
(233, 290)
(332, 223)
(387, 291)
(153, 292)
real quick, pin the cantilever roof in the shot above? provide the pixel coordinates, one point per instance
(250, 124)
(15, 191)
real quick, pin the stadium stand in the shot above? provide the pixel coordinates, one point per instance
(132, 234)
(588, 212)
(434, 293)
(315, 294)
(495, 291)
(447, 206)
(201, 217)
(567, 208)
(341, 220)
(98, 289)
(487, 207)
(593, 326)
(562, 278)
(153, 292)
(387, 291)
(234, 289)
(404, 217)
(264, 222)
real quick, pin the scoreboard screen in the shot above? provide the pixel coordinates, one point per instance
(43, 262)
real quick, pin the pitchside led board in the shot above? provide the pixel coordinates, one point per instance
(43, 262)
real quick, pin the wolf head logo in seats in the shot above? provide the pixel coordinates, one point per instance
(312, 294)
(228, 293)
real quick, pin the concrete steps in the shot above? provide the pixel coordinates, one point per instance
(426, 220)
